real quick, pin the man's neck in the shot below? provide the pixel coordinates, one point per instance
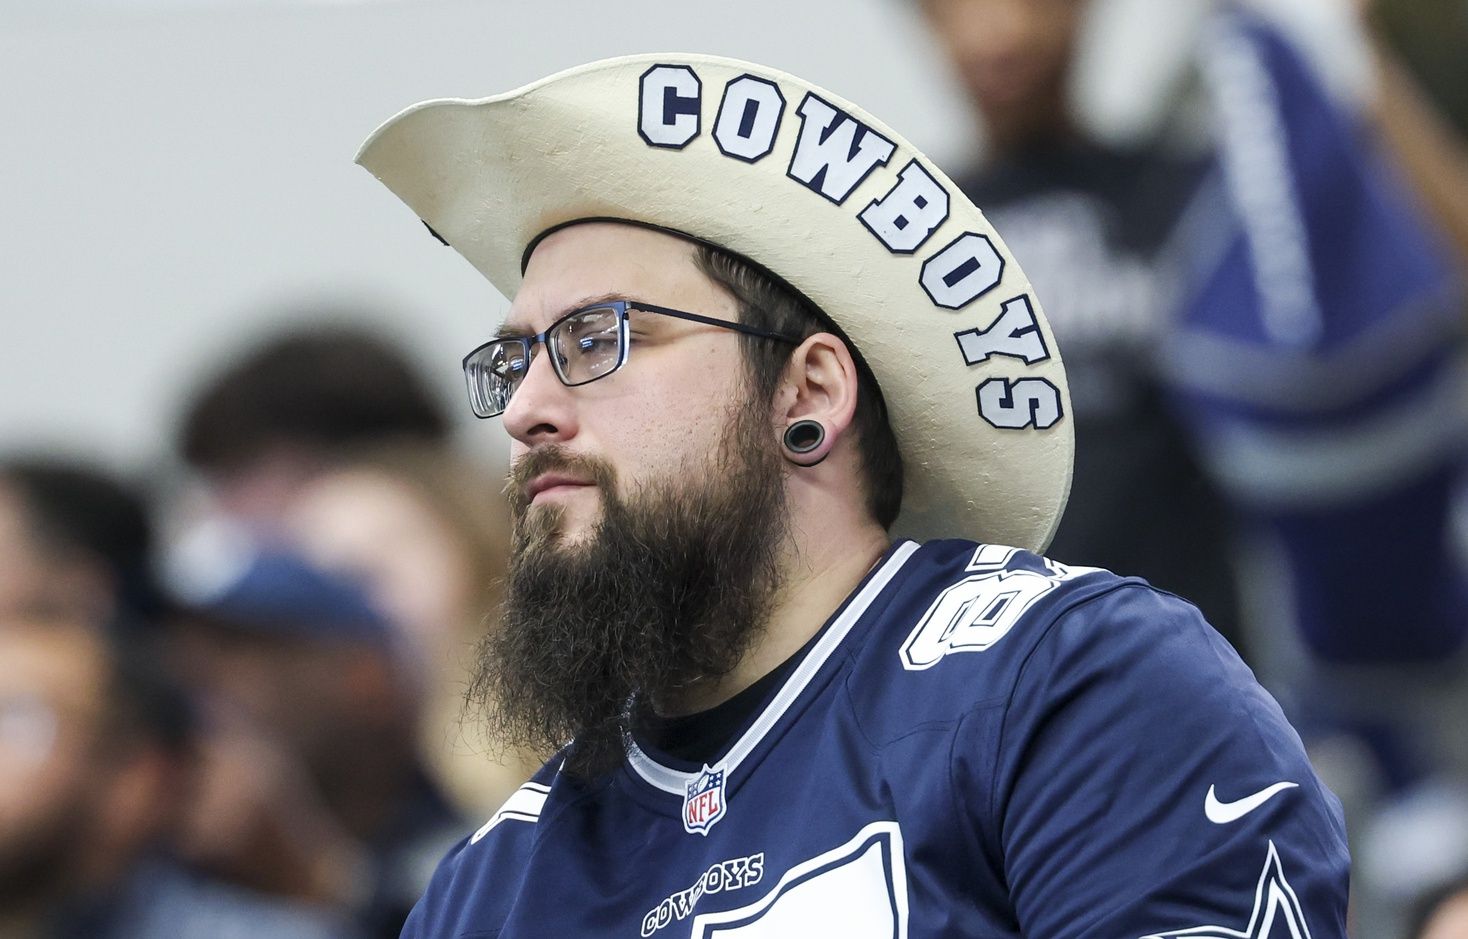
(821, 570)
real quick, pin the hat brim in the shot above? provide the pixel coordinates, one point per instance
(944, 317)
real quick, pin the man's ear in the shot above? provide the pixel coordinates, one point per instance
(820, 385)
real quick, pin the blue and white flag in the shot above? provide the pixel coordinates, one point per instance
(1317, 357)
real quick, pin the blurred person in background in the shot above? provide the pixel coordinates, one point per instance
(1145, 243)
(427, 537)
(1092, 222)
(1267, 323)
(311, 785)
(75, 542)
(261, 428)
(95, 762)
(318, 782)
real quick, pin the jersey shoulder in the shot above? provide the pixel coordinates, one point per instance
(473, 882)
(957, 625)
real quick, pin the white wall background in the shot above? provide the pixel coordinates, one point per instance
(176, 176)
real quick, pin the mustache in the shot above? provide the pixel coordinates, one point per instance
(552, 458)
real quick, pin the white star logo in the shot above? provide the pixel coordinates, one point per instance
(1277, 913)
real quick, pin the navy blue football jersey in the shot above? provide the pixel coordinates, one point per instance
(981, 742)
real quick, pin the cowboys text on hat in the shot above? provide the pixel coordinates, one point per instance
(832, 155)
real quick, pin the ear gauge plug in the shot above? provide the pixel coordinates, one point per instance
(801, 438)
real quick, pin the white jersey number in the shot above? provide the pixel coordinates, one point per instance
(981, 609)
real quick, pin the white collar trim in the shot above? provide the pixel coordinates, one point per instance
(676, 781)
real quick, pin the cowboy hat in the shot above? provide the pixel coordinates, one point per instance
(809, 187)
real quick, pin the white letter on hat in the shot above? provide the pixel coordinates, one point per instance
(1015, 334)
(749, 116)
(835, 152)
(905, 217)
(668, 113)
(962, 272)
(1026, 402)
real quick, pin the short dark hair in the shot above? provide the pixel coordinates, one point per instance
(769, 303)
(75, 508)
(325, 387)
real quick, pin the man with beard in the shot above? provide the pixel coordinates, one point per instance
(755, 335)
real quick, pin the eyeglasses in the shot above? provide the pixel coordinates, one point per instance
(585, 345)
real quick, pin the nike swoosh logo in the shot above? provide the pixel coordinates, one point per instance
(1221, 813)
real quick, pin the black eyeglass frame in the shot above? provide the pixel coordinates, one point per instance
(624, 346)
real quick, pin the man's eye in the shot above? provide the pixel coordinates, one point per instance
(592, 344)
(509, 368)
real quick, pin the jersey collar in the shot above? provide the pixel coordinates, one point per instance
(676, 781)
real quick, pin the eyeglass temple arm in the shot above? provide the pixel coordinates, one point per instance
(710, 321)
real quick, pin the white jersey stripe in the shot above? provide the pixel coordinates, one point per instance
(523, 805)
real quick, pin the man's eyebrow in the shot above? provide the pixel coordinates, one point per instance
(515, 331)
(511, 331)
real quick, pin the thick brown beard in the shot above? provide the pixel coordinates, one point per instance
(671, 589)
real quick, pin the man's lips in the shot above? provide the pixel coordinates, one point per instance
(547, 482)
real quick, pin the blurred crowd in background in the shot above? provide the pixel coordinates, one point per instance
(230, 698)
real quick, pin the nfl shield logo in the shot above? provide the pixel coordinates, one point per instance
(703, 804)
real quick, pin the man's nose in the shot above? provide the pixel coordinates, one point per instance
(542, 409)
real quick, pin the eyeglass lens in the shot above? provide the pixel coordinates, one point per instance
(587, 345)
(584, 347)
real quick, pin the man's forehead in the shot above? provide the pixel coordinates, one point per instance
(525, 315)
(590, 262)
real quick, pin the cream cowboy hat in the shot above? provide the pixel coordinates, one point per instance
(808, 186)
